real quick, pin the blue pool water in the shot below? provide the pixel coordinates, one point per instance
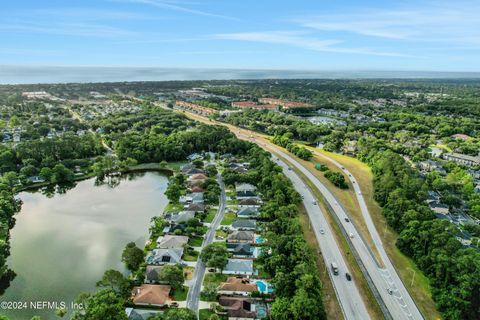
(259, 239)
(263, 287)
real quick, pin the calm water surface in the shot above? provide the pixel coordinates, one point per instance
(60, 246)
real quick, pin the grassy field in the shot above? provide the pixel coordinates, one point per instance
(195, 241)
(173, 207)
(190, 255)
(228, 218)
(214, 278)
(210, 215)
(406, 268)
(180, 295)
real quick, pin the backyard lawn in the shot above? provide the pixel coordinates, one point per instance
(228, 218)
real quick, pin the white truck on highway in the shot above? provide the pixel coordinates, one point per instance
(334, 268)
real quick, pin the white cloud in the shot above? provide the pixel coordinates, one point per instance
(457, 22)
(299, 39)
(178, 6)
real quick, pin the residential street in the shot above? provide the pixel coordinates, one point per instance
(193, 296)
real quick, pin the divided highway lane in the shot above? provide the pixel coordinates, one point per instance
(348, 295)
(397, 305)
(396, 285)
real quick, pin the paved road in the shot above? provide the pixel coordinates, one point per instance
(193, 296)
(350, 299)
(394, 282)
(399, 303)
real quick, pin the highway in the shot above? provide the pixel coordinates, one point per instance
(193, 295)
(391, 289)
(350, 299)
(399, 292)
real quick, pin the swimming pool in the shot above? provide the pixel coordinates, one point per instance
(259, 239)
(264, 287)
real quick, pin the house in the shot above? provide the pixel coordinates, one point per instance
(194, 156)
(239, 266)
(439, 208)
(244, 224)
(151, 294)
(193, 171)
(165, 256)
(197, 189)
(152, 274)
(242, 187)
(460, 136)
(139, 314)
(238, 307)
(186, 168)
(236, 287)
(36, 179)
(182, 216)
(248, 212)
(462, 158)
(194, 197)
(241, 237)
(432, 196)
(477, 188)
(198, 176)
(241, 250)
(197, 207)
(350, 147)
(171, 241)
(249, 202)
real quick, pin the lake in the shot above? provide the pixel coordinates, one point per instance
(61, 245)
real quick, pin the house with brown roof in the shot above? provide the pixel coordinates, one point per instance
(197, 189)
(237, 287)
(238, 307)
(151, 295)
(198, 176)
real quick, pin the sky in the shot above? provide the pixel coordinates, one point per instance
(245, 34)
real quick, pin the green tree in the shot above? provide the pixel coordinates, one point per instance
(115, 280)
(61, 174)
(173, 274)
(215, 256)
(133, 256)
(104, 304)
(173, 192)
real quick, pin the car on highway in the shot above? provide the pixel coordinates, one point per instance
(351, 235)
(334, 267)
(347, 220)
(359, 193)
(322, 231)
(348, 276)
(343, 168)
(289, 168)
(303, 197)
(314, 202)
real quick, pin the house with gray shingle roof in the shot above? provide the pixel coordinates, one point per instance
(239, 266)
(165, 256)
(244, 224)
